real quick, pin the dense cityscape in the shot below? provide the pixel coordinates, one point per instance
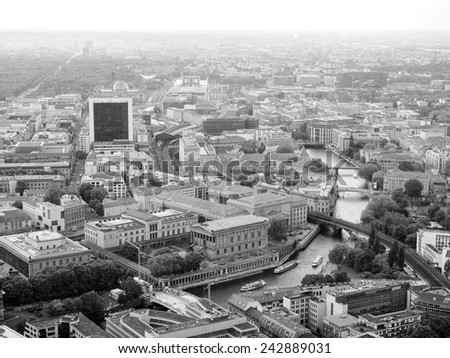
(195, 185)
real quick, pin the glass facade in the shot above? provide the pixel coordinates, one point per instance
(110, 121)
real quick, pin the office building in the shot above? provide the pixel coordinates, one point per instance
(389, 325)
(110, 118)
(374, 299)
(435, 300)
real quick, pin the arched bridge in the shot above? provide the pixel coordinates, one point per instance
(417, 262)
(345, 189)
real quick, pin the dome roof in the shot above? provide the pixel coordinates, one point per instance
(120, 86)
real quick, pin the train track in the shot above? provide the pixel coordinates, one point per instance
(417, 263)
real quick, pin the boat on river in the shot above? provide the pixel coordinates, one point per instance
(317, 261)
(286, 266)
(253, 285)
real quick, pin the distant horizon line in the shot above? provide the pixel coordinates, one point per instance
(250, 31)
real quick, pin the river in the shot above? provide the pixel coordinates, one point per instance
(348, 207)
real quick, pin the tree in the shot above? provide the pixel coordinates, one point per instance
(85, 191)
(93, 203)
(363, 260)
(129, 252)
(413, 188)
(393, 254)
(440, 216)
(131, 287)
(447, 267)
(423, 332)
(54, 194)
(92, 306)
(432, 210)
(397, 195)
(285, 148)
(367, 170)
(338, 254)
(410, 167)
(401, 257)
(313, 279)
(372, 235)
(341, 276)
(277, 230)
(98, 193)
(447, 223)
(21, 187)
(99, 209)
(400, 233)
(18, 204)
(17, 291)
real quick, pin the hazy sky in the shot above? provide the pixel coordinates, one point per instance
(174, 15)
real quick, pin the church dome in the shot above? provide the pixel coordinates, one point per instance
(120, 86)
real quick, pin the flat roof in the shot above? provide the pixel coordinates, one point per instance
(18, 244)
(231, 223)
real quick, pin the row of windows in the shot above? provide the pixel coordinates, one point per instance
(54, 262)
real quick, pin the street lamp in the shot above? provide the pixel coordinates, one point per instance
(139, 257)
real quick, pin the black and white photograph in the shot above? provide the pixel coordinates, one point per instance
(199, 170)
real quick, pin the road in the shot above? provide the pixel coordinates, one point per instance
(35, 88)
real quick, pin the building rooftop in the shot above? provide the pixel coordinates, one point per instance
(109, 203)
(341, 320)
(230, 223)
(13, 215)
(6, 332)
(25, 244)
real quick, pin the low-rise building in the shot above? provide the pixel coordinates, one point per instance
(12, 219)
(434, 246)
(119, 206)
(69, 215)
(390, 325)
(396, 179)
(31, 252)
(337, 326)
(154, 230)
(265, 204)
(435, 300)
(75, 325)
(231, 236)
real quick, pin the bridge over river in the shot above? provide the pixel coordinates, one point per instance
(417, 262)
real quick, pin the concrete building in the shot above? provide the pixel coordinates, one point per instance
(189, 317)
(112, 182)
(337, 326)
(267, 204)
(75, 325)
(205, 209)
(154, 230)
(396, 179)
(321, 133)
(435, 300)
(30, 253)
(6, 332)
(316, 313)
(389, 325)
(231, 236)
(12, 219)
(69, 215)
(434, 246)
(119, 206)
(375, 299)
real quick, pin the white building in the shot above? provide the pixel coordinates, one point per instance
(434, 246)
